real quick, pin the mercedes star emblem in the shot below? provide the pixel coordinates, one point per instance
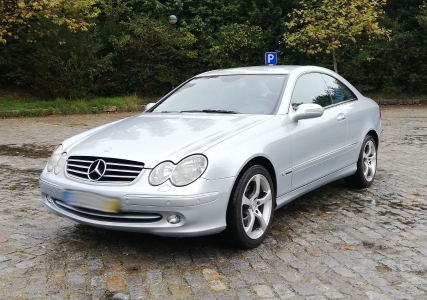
(96, 170)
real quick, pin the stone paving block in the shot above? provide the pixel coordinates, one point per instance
(3, 258)
(136, 288)
(251, 277)
(158, 291)
(284, 291)
(179, 291)
(203, 294)
(235, 283)
(97, 283)
(115, 284)
(154, 276)
(195, 281)
(244, 294)
(263, 291)
(376, 296)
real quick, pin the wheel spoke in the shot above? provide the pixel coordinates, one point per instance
(250, 226)
(264, 199)
(246, 201)
(261, 220)
(365, 169)
(257, 187)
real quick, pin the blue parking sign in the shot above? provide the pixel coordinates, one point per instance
(270, 58)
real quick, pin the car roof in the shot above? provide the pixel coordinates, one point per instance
(252, 70)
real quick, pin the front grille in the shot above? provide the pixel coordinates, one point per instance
(122, 217)
(116, 170)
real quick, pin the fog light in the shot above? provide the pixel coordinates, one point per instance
(174, 219)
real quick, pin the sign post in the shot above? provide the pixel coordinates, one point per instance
(270, 58)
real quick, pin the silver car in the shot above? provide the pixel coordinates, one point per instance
(221, 152)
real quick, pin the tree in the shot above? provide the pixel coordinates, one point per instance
(328, 25)
(18, 16)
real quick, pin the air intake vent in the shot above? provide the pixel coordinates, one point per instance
(102, 169)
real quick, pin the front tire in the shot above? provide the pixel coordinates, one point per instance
(250, 209)
(366, 165)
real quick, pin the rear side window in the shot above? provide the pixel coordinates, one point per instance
(337, 90)
(310, 88)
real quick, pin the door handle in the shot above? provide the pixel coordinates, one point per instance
(341, 117)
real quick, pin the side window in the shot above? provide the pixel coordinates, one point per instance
(310, 88)
(338, 91)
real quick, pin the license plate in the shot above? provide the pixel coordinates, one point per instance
(91, 201)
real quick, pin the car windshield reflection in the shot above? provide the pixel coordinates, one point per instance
(235, 94)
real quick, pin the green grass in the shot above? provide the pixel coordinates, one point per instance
(30, 106)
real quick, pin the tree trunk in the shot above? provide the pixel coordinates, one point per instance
(335, 61)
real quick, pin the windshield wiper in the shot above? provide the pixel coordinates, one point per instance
(213, 111)
(168, 111)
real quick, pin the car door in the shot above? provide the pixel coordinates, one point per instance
(316, 143)
(343, 96)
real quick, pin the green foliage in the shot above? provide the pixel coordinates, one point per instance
(75, 49)
(62, 64)
(19, 16)
(328, 25)
(396, 66)
(236, 45)
(148, 55)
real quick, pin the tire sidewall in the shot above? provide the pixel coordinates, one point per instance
(365, 182)
(236, 200)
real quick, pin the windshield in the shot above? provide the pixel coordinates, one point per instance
(242, 94)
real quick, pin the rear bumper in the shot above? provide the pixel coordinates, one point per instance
(200, 213)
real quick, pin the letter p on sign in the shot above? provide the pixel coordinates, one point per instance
(271, 58)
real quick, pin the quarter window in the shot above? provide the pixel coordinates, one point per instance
(338, 91)
(310, 88)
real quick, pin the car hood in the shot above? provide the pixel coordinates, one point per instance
(152, 138)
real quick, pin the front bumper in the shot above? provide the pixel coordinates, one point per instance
(201, 205)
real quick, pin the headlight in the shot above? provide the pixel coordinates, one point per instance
(61, 163)
(161, 173)
(188, 170)
(53, 160)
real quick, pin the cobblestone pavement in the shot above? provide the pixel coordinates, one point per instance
(333, 243)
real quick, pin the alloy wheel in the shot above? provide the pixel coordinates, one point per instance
(257, 205)
(369, 161)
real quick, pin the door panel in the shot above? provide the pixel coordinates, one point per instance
(354, 115)
(318, 144)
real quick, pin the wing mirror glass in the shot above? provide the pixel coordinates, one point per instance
(148, 106)
(308, 111)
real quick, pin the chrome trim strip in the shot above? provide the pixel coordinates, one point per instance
(125, 165)
(172, 197)
(77, 166)
(102, 215)
(124, 171)
(324, 155)
(101, 182)
(79, 160)
(118, 176)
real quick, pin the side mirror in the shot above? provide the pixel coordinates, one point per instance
(148, 106)
(308, 111)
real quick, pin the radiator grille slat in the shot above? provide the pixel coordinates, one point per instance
(116, 170)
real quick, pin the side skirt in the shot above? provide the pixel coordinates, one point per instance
(286, 198)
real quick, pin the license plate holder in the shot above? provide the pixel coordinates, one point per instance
(91, 201)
